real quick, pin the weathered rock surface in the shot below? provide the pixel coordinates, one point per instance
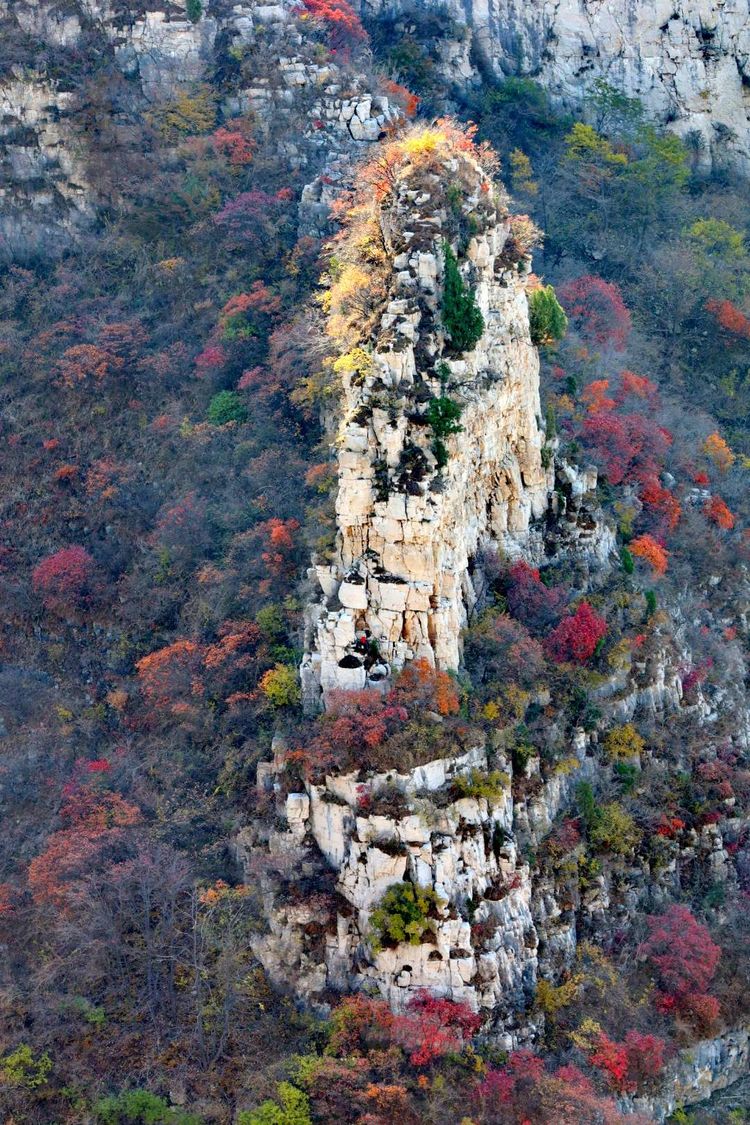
(705, 1069)
(460, 847)
(688, 61)
(409, 529)
(502, 925)
(48, 192)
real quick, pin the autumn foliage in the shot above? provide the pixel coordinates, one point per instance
(530, 600)
(171, 672)
(627, 446)
(595, 395)
(718, 512)
(84, 363)
(661, 503)
(596, 308)
(429, 1028)
(354, 722)
(96, 825)
(576, 637)
(132, 736)
(685, 959)
(731, 319)
(718, 451)
(64, 579)
(630, 1064)
(524, 1090)
(234, 142)
(637, 386)
(648, 548)
(432, 1027)
(342, 23)
(421, 685)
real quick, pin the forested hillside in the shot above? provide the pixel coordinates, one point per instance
(193, 339)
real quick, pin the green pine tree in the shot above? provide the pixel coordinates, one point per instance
(547, 319)
(462, 318)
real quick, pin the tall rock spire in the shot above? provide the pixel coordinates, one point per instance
(438, 448)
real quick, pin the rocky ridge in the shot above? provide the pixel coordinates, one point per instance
(410, 555)
(508, 911)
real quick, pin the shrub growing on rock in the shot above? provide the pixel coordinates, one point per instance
(403, 915)
(342, 24)
(443, 415)
(623, 742)
(681, 951)
(615, 831)
(492, 786)
(433, 1027)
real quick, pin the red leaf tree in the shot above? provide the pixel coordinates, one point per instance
(596, 309)
(432, 1027)
(576, 637)
(342, 24)
(64, 579)
(681, 952)
(627, 446)
(630, 1064)
(649, 549)
(96, 825)
(718, 512)
(731, 319)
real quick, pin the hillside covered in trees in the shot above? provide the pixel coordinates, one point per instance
(374, 583)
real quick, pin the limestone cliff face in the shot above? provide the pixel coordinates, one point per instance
(334, 847)
(687, 60)
(48, 194)
(409, 530)
(461, 847)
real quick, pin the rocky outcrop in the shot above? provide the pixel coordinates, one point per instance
(688, 61)
(48, 192)
(700, 1072)
(500, 924)
(409, 527)
(45, 197)
(482, 945)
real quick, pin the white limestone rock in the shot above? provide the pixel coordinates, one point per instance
(411, 548)
(687, 61)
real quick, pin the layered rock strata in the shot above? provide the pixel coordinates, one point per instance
(410, 530)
